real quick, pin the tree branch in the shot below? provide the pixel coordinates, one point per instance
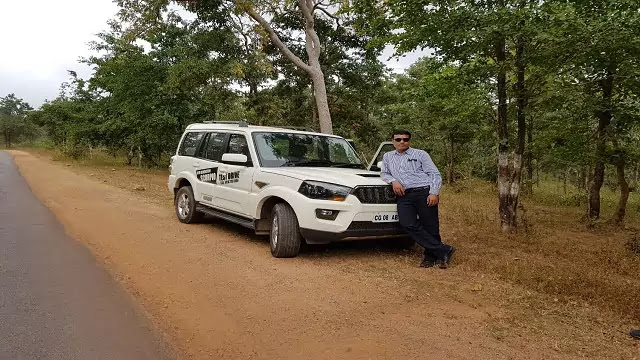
(277, 42)
(319, 4)
(306, 7)
(330, 15)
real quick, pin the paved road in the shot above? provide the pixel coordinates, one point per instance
(56, 302)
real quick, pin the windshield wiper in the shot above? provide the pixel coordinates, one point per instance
(309, 162)
(348, 165)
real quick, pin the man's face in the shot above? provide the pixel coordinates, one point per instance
(401, 142)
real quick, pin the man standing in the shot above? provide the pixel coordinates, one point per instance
(416, 182)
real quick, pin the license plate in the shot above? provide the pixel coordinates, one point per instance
(391, 216)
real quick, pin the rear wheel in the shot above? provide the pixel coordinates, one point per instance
(285, 238)
(185, 204)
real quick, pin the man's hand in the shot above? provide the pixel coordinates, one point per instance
(433, 200)
(398, 189)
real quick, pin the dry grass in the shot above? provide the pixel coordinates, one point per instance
(558, 255)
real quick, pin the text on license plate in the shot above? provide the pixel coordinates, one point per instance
(385, 217)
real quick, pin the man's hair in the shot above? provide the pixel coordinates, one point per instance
(400, 132)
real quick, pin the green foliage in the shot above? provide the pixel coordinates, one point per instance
(15, 125)
(156, 72)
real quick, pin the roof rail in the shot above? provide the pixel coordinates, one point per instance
(240, 123)
(300, 128)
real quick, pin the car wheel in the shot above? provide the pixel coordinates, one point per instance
(285, 238)
(185, 204)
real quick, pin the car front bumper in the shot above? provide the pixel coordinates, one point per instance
(357, 230)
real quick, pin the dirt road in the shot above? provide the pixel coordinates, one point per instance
(217, 293)
(55, 301)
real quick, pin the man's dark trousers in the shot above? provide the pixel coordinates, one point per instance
(425, 230)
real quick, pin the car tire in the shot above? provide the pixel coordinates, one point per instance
(185, 206)
(284, 238)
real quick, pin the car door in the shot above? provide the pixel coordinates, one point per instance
(207, 166)
(384, 148)
(234, 179)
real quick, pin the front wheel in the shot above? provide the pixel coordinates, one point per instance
(285, 237)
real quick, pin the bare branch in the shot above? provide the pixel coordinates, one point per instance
(277, 42)
(320, 4)
(330, 15)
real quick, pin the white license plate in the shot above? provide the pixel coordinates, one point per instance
(390, 216)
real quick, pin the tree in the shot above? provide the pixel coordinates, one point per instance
(445, 106)
(143, 14)
(496, 34)
(599, 41)
(13, 119)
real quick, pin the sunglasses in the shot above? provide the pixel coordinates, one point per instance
(402, 139)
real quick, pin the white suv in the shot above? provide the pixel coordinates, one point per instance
(289, 184)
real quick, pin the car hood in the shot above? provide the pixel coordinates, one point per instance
(341, 176)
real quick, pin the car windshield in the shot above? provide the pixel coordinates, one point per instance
(290, 149)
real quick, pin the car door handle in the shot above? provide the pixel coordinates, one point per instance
(196, 165)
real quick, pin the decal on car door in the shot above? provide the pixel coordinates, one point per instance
(209, 175)
(229, 177)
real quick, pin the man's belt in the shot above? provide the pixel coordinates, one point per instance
(417, 189)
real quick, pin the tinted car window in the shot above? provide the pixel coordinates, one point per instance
(190, 143)
(238, 145)
(214, 147)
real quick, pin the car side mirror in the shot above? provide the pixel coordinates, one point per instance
(235, 158)
(379, 165)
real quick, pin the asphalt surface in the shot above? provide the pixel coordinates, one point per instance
(56, 302)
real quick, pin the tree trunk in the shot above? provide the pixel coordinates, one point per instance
(313, 68)
(624, 190)
(314, 109)
(129, 156)
(529, 157)
(507, 213)
(450, 168)
(314, 50)
(604, 119)
(252, 100)
(509, 181)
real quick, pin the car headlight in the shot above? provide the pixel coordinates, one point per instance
(324, 191)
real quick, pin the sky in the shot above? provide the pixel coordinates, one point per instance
(42, 39)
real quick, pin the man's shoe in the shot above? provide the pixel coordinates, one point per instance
(428, 262)
(635, 334)
(446, 260)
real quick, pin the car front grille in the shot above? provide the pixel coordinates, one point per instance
(375, 194)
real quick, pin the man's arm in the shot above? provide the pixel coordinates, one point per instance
(385, 174)
(430, 169)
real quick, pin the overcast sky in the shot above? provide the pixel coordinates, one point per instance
(42, 39)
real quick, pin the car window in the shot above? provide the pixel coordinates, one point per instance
(215, 146)
(238, 145)
(190, 143)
